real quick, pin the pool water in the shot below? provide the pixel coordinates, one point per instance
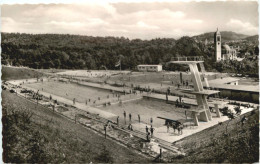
(147, 109)
(71, 91)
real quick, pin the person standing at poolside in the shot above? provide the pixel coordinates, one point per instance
(117, 120)
(148, 137)
(168, 127)
(125, 116)
(152, 130)
(130, 117)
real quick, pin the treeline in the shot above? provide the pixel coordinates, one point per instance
(87, 52)
(244, 67)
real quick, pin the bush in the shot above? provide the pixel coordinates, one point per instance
(104, 157)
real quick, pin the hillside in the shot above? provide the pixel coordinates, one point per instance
(225, 36)
(86, 52)
(14, 73)
(45, 51)
(34, 134)
(252, 38)
(212, 145)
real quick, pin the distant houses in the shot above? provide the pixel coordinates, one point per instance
(150, 68)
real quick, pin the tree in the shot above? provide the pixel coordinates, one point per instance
(231, 114)
(57, 63)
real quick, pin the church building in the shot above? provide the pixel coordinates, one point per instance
(223, 52)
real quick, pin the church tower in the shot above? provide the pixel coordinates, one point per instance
(217, 43)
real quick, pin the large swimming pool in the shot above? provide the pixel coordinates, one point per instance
(71, 90)
(147, 109)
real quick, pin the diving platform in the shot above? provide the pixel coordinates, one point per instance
(202, 112)
(187, 60)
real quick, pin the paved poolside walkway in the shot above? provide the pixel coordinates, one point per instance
(186, 100)
(161, 132)
(103, 86)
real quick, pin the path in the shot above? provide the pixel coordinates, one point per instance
(186, 100)
(161, 132)
(103, 86)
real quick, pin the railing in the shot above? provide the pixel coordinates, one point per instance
(188, 58)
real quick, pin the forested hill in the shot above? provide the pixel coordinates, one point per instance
(225, 36)
(252, 38)
(86, 52)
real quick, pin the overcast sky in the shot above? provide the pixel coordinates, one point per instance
(145, 20)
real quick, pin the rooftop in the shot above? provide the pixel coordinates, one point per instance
(204, 92)
(246, 88)
(223, 80)
(226, 47)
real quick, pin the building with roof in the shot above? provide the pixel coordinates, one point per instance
(223, 52)
(228, 53)
(150, 68)
(229, 87)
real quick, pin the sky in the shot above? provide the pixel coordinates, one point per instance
(144, 20)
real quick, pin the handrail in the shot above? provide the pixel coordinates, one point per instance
(188, 58)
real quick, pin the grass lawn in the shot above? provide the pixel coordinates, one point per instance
(49, 137)
(15, 73)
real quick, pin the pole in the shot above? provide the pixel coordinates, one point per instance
(160, 154)
(120, 64)
(105, 128)
(181, 77)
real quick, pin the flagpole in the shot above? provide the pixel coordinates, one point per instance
(120, 64)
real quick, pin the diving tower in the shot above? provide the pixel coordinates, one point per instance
(202, 112)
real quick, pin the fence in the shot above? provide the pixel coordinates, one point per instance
(188, 58)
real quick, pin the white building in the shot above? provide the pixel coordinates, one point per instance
(228, 53)
(150, 68)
